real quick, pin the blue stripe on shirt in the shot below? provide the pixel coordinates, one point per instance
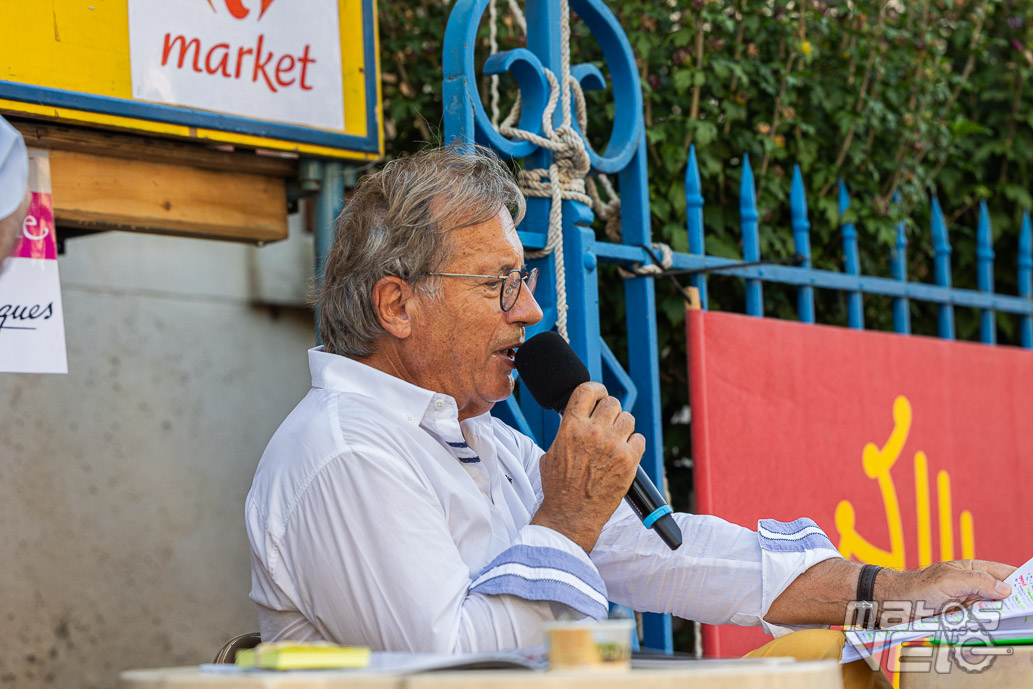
(543, 589)
(542, 559)
(798, 535)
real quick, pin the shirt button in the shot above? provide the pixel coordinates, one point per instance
(439, 404)
(410, 419)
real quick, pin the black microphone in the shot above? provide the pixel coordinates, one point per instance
(551, 371)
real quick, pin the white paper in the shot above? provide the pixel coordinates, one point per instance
(32, 327)
(271, 60)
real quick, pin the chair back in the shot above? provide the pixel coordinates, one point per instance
(228, 653)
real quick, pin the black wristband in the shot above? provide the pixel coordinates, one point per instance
(866, 583)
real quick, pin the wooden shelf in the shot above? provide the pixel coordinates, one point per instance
(103, 180)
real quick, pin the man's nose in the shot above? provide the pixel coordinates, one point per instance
(526, 310)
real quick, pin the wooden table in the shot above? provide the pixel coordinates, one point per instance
(776, 674)
(927, 670)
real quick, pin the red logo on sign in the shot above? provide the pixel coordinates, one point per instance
(237, 9)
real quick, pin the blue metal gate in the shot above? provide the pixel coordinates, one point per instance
(539, 70)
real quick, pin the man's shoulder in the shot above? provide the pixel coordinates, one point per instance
(334, 418)
(325, 429)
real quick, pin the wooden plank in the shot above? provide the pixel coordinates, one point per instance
(769, 673)
(938, 667)
(61, 137)
(193, 678)
(731, 674)
(96, 192)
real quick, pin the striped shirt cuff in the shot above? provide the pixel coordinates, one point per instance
(796, 536)
(542, 573)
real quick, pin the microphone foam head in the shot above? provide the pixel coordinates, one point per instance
(550, 369)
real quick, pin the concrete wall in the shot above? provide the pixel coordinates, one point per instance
(122, 483)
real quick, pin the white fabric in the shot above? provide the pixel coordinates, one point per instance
(14, 169)
(376, 518)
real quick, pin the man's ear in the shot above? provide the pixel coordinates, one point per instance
(393, 302)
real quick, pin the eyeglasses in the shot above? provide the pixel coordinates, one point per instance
(511, 282)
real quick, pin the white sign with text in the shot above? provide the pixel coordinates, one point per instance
(265, 59)
(32, 324)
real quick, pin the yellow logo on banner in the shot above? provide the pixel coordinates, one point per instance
(878, 464)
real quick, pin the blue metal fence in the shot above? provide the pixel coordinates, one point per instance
(636, 382)
(850, 280)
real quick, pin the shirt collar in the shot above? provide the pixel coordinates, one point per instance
(411, 402)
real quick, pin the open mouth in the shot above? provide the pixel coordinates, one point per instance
(509, 354)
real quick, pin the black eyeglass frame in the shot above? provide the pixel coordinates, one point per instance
(528, 277)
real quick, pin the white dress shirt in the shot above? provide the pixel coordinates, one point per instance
(376, 518)
(14, 169)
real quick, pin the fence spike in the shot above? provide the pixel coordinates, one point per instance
(694, 220)
(942, 267)
(898, 271)
(1026, 277)
(985, 273)
(802, 242)
(852, 262)
(748, 218)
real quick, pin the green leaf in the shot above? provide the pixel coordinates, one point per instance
(963, 127)
(683, 79)
(682, 37)
(705, 133)
(1019, 194)
(660, 207)
(721, 246)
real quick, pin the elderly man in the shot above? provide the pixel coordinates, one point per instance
(391, 510)
(14, 191)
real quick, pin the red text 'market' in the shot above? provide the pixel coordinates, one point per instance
(241, 62)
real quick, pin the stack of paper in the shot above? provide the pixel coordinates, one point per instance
(1011, 631)
(985, 622)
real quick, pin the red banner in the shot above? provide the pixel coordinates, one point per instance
(905, 450)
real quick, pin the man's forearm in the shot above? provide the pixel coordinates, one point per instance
(821, 594)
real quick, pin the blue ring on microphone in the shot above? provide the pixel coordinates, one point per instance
(657, 513)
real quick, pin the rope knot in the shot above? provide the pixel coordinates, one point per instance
(666, 260)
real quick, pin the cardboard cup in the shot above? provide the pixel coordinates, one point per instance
(590, 645)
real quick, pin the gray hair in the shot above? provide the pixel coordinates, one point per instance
(395, 223)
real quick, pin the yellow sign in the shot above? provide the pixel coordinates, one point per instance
(289, 75)
(878, 463)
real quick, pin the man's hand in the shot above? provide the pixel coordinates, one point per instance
(589, 467)
(961, 581)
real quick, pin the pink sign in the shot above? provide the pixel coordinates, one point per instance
(32, 326)
(37, 237)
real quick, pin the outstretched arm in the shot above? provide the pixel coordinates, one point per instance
(821, 594)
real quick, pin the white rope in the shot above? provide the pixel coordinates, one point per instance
(567, 177)
(493, 42)
(638, 270)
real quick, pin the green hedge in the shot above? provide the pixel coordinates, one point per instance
(905, 96)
